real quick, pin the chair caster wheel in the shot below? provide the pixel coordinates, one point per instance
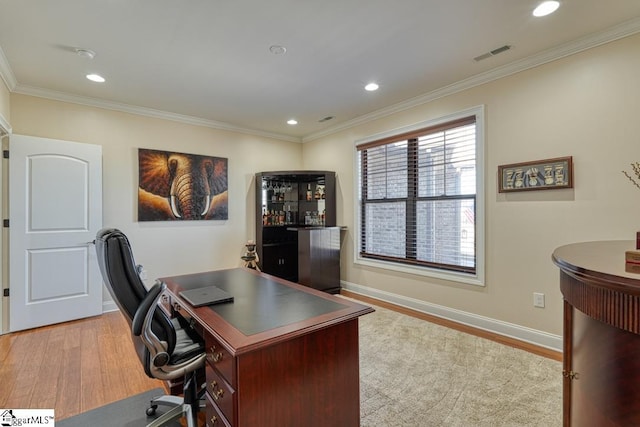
(151, 411)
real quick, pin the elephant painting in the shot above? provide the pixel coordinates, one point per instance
(177, 186)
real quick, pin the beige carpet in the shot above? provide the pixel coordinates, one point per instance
(415, 373)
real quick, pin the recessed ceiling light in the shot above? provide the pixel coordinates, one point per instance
(371, 87)
(96, 78)
(292, 122)
(85, 53)
(277, 49)
(546, 7)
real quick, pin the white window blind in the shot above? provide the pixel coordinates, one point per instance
(418, 197)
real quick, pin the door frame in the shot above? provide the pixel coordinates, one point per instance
(5, 133)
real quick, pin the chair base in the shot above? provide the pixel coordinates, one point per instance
(173, 414)
(186, 407)
(179, 410)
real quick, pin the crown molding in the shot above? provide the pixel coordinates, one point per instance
(617, 32)
(143, 111)
(12, 84)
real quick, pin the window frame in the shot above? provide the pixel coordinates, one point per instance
(477, 278)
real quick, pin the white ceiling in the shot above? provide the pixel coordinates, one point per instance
(208, 61)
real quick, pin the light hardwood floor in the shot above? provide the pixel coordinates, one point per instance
(71, 367)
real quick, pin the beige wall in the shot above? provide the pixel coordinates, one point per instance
(586, 106)
(164, 248)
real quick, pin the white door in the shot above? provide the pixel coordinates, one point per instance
(55, 211)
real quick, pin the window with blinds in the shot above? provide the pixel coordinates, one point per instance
(418, 197)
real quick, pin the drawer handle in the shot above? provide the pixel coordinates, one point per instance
(216, 394)
(571, 375)
(215, 357)
(214, 420)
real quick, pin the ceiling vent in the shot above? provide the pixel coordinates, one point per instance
(325, 119)
(494, 52)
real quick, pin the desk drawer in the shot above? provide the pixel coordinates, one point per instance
(222, 394)
(214, 417)
(177, 310)
(220, 358)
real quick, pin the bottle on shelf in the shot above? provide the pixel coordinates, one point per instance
(309, 194)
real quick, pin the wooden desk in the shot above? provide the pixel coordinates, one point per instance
(601, 367)
(281, 354)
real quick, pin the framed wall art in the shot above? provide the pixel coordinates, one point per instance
(547, 174)
(176, 186)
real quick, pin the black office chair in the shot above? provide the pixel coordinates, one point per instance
(168, 348)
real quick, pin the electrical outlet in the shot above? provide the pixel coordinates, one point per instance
(538, 299)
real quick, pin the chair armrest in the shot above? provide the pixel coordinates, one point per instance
(149, 302)
(158, 357)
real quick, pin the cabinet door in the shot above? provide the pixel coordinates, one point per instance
(319, 258)
(605, 360)
(281, 260)
(290, 261)
(270, 259)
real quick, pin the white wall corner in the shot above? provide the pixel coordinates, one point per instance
(5, 127)
(511, 330)
(6, 74)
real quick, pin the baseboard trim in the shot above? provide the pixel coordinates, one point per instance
(528, 339)
(108, 306)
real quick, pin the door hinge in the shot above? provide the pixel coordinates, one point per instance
(5, 223)
(5, 292)
(5, 154)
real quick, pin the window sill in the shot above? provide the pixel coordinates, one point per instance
(469, 279)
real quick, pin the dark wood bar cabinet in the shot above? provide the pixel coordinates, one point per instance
(601, 366)
(296, 234)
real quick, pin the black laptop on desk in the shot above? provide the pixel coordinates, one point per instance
(207, 295)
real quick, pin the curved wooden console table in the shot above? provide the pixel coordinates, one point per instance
(601, 366)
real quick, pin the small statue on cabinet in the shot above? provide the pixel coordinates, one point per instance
(250, 256)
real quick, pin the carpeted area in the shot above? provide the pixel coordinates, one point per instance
(129, 412)
(415, 373)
